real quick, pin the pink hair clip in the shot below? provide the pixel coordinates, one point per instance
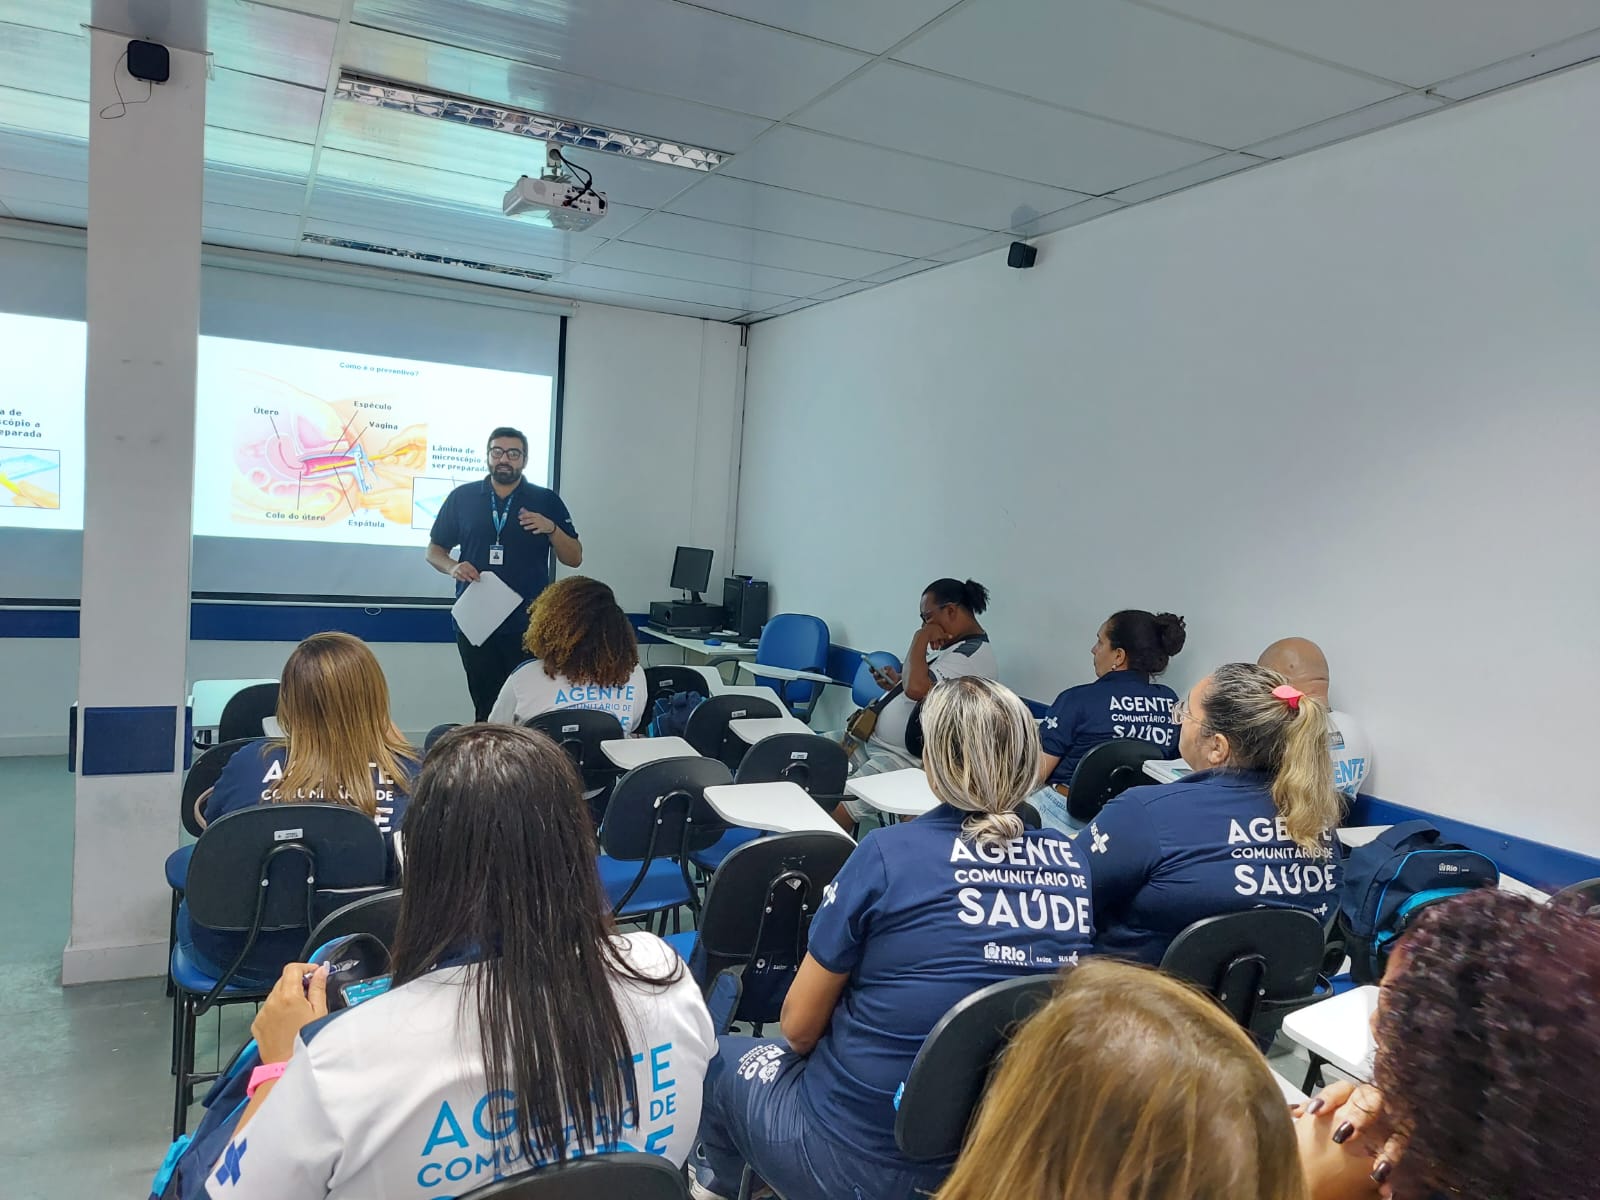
(1289, 695)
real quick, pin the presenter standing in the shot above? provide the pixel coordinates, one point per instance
(507, 526)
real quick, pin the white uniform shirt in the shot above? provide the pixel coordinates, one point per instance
(387, 1101)
(1352, 752)
(970, 656)
(529, 692)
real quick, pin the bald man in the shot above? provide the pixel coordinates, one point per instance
(1302, 663)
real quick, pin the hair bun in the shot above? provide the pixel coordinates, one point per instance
(1171, 632)
(977, 596)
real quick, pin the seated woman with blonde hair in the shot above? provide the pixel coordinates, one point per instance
(585, 655)
(923, 914)
(1128, 1085)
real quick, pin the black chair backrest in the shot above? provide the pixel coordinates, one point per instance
(627, 1175)
(579, 731)
(817, 764)
(313, 857)
(202, 777)
(949, 1074)
(758, 912)
(437, 732)
(376, 915)
(1030, 816)
(664, 682)
(1583, 896)
(659, 810)
(708, 731)
(1257, 964)
(1108, 770)
(243, 714)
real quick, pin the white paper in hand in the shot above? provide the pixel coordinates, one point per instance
(480, 609)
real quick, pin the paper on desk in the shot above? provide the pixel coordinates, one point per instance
(480, 609)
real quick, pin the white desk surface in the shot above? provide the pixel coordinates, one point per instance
(1166, 770)
(1290, 1093)
(781, 807)
(751, 730)
(728, 649)
(208, 697)
(902, 793)
(772, 672)
(270, 727)
(758, 690)
(1339, 1029)
(1360, 835)
(629, 753)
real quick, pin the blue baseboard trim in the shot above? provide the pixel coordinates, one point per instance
(1548, 868)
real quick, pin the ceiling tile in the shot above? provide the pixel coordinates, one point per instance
(828, 166)
(1140, 66)
(53, 62)
(37, 113)
(844, 289)
(782, 310)
(914, 266)
(974, 247)
(253, 104)
(705, 312)
(1214, 168)
(758, 246)
(742, 299)
(237, 240)
(1374, 116)
(332, 9)
(21, 187)
(1416, 42)
(652, 260)
(515, 84)
(652, 45)
(1525, 66)
(758, 206)
(235, 148)
(1067, 217)
(49, 214)
(873, 25)
(246, 189)
(67, 158)
(255, 221)
(63, 16)
(915, 111)
(272, 42)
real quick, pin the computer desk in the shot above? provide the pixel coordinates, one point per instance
(728, 651)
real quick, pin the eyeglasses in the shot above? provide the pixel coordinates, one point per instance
(925, 617)
(1181, 712)
(496, 454)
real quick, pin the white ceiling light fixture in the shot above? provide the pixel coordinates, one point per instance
(402, 97)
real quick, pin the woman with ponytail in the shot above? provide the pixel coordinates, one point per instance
(923, 914)
(1251, 828)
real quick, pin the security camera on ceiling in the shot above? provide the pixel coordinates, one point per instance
(555, 199)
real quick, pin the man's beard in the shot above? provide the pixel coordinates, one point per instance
(505, 474)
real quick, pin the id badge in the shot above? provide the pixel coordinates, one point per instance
(497, 555)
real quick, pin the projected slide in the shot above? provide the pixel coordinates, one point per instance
(41, 423)
(326, 446)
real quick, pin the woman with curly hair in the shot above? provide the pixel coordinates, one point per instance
(585, 655)
(1488, 1036)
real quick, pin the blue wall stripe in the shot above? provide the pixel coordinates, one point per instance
(38, 622)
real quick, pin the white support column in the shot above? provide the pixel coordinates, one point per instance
(146, 160)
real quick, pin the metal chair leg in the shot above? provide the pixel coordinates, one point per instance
(181, 1085)
(1313, 1072)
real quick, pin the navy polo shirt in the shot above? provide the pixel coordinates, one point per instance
(466, 519)
(1120, 704)
(1165, 857)
(920, 918)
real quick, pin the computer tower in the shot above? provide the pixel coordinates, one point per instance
(752, 614)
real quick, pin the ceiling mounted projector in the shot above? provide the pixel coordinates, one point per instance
(555, 200)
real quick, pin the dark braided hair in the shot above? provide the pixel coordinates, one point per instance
(577, 629)
(1488, 1049)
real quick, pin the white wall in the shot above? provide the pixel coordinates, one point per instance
(649, 461)
(1351, 396)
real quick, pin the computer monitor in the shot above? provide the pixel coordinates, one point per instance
(691, 570)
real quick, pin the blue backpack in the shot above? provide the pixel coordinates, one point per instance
(1391, 879)
(670, 716)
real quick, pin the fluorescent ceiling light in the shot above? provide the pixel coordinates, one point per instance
(403, 97)
(322, 239)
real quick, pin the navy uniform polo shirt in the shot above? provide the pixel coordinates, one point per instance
(466, 519)
(1165, 857)
(919, 918)
(1120, 704)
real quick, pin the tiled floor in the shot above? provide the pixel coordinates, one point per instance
(85, 1091)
